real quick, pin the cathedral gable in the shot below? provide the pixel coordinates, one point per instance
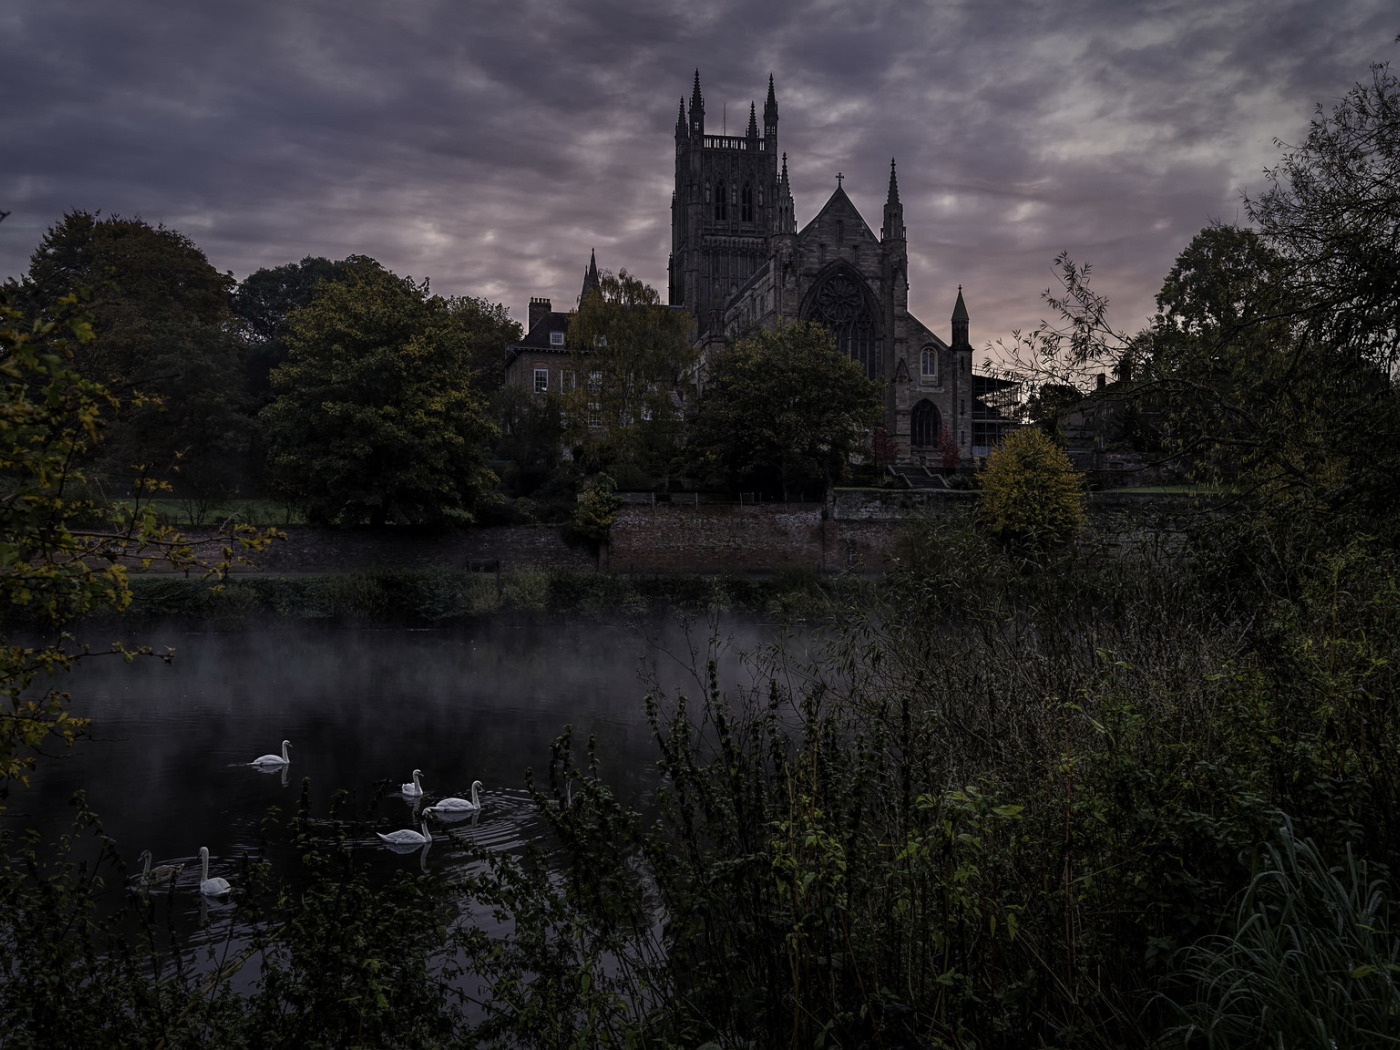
(838, 224)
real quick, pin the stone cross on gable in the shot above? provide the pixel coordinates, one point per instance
(839, 177)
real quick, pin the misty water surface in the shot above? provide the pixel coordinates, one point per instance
(166, 761)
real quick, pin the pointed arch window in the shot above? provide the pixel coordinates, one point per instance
(841, 303)
(721, 201)
(746, 204)
(924, 425)
(928, 364)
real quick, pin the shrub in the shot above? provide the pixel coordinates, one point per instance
(1031, 493)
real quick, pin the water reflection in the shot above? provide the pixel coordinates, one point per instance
(166, 763)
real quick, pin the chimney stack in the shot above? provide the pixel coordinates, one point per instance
(539, 309)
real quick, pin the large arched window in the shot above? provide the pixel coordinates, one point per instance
(721, 201)
(924, 425)
(746, 204)
(840, 302)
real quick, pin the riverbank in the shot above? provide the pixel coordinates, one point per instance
(434, 597)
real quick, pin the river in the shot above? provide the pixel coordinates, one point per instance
(166, 761)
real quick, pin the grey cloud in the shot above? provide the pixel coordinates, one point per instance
(491, 147)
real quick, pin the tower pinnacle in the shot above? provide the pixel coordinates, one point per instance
(894, 211)
(697, 108)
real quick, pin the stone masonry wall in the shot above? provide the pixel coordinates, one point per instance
(857, 532)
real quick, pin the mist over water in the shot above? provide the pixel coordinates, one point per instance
(166, 762)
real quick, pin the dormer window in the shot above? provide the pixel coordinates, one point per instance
(556, 338)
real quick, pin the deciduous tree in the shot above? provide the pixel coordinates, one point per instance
(164, 343)
(784, 411)
(635, 364)
(62, 553)
(375, 416)
(263, 305)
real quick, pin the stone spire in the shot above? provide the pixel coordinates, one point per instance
(894, 211)
(960, 320)
(753, 122)
(590, 277)
(697, 108)
(680, 122)
(787, 211)
(770, 119)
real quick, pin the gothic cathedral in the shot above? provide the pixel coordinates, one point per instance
(739, 260)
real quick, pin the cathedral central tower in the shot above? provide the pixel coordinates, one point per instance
(724, 208)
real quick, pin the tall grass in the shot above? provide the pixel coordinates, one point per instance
(1308, 959)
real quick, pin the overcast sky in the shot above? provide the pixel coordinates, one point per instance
(489, 147)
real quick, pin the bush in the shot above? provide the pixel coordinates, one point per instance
(1031, 494)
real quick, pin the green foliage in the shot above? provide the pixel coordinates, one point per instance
(263, 305)
(433, 597)
(635, 364)
(61, 554)
(163, 343)
(996, 825)
(1031, 494)
(375, 416)
(783, 411)
(337, 958)
(1309, 960)
(489, 329)
(531, 445)
(597, 506)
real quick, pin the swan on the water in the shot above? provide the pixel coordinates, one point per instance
(274, 760)
(413, 789)
(215, 887)
(150, 876)
(454, 804)
(406, 836)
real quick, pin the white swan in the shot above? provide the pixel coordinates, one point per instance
(274, 760)
(150, 876)
(406, 836)
(453, 804)
(215, 887)
(414, 789)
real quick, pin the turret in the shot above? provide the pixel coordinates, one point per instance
(960, 319)
(753, 124)
(681, 133)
